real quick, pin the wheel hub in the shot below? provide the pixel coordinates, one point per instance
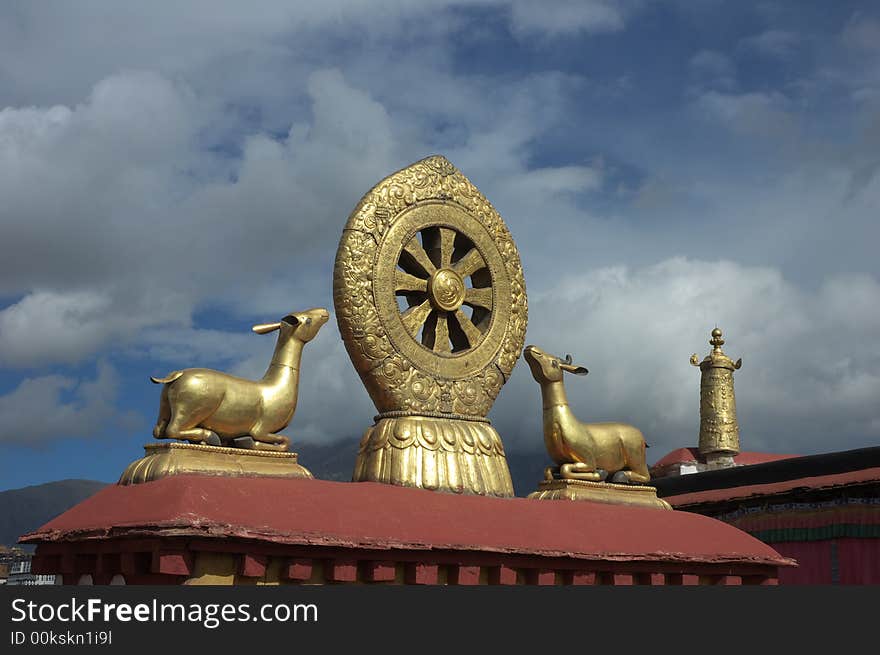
(446, 290)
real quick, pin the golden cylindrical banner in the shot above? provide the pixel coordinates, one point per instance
(719, 429)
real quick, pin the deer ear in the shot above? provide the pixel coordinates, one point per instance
(265, 328)
(571, 368)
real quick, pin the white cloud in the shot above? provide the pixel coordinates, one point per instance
(548, 182)
(80, 183)
(772, 43)
(53, 53)
(756, 113)
(560, 17)
(118, 221)
(105, 234)
(809, 382)
(166, 347)
(48, 407)
(713, 69)
(50, 327)
(862, 32)
(712, 63)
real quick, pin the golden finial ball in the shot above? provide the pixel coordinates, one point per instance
(716, 333)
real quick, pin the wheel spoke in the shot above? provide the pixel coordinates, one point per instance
(414, 256)
(414, 317)
(471, 262)
(479, 297)
(403, 281)
(470, 330)
(441, 335)
(447, 244)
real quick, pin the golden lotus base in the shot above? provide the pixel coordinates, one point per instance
(441, 454)
(174, 458)
(599, 492)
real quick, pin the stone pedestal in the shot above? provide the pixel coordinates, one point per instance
(174, 458)
(599, 492)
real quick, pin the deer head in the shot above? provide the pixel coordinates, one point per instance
(549, 368)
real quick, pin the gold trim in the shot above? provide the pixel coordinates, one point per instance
(166, 459)
(453, 417)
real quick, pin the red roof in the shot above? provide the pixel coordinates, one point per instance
(377, 516)
(816, 482)
(688, 455)
(747, 458)
(679, 456)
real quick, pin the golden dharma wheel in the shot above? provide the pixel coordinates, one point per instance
(431, 304)
(429, 293)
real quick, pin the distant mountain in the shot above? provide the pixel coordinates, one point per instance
(332, 461)
(26, 509)
(527, 470)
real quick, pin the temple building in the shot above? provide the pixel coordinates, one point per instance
(20, 573)
(683, 461)
(821, 510)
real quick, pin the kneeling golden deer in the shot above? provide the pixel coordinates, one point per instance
(583, 451)
(201, 405)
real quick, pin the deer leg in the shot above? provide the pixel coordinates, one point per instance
(159, 430)
(194, 435)
(164, 415)
(245, 443)
(177, 429)
(637, 472)
(630, 477)
(269, 441)
(579, 471)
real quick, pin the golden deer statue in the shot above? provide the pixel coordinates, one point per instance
(201, 405)
(583, 451)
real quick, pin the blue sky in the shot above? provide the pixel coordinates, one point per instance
(173, 174)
